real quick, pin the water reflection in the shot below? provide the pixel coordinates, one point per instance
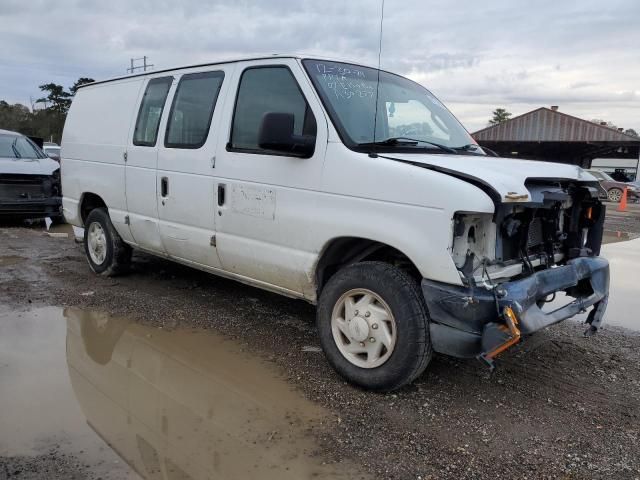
(190, 405)
(624, 294)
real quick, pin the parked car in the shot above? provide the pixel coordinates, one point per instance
(614, 188)
(29, 180)
(52, 150)
(277, 173)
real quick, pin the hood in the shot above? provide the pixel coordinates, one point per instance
(28, 166)
(507, 176)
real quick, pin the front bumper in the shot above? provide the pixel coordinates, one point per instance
(31, 208)
(465, 320)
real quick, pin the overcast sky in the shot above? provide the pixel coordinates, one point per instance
(583, 55)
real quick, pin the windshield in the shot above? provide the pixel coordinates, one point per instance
(405, 108)
(15, 146)
(601, 175)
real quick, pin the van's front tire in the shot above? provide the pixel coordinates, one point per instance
(106, 252)
(374, 326)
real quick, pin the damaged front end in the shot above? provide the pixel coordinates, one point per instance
(24, 196)
(515, 261)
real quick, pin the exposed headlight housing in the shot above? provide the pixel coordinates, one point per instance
(474, 240)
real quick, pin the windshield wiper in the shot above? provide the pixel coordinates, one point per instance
(15, 150)
(409, 141)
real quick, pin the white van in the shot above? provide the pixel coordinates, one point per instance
(346, 186)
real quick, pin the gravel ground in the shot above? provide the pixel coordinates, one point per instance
(625, 222)
(559, 405)
(54, 464)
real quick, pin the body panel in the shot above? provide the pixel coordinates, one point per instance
(265, 228)
(93, 146)
(187, 214)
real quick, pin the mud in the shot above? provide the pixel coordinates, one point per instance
(558, 406)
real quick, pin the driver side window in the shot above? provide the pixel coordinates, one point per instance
(263, 90)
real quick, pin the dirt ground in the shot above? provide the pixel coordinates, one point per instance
(559, 405)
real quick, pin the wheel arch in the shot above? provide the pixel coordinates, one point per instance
(90, 201)
(342, 251)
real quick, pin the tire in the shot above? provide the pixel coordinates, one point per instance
(396, 292)
(114, 256)
(614, 195)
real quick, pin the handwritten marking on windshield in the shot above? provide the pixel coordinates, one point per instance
(346, 82)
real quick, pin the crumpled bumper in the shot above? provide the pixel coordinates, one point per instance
(468, 321)
(31, 208)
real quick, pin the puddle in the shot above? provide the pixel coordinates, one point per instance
(184, 404)
(623, 309)
(8, 260)
(38, 408)
(624, 290)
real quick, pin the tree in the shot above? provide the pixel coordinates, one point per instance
(46, 122)
(15, 117)
(631, 131)
(81, 81)
(58, 100)
(500, 115)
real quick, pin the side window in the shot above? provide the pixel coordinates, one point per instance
(262, 90)
(151, 107)
(192, 109)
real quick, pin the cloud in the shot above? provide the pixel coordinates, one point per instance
(515, 54)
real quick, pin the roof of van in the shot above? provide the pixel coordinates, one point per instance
(222, 62)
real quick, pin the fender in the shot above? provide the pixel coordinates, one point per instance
(475, 181)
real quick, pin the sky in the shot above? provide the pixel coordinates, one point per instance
(583, 55)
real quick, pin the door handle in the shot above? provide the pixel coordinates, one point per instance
(221, 191)
(164, 187)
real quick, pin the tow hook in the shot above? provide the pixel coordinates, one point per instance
(506, 335)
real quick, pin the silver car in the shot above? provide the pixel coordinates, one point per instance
(29, 180)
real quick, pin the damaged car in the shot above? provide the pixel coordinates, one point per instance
(347, 186)
(29, 180)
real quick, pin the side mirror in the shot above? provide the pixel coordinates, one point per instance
(276, 133)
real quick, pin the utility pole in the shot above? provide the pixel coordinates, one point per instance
(144, 66)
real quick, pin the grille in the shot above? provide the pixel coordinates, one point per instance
(21, 187)
(534, 235)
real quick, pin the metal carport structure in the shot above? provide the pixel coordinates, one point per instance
(550, 135)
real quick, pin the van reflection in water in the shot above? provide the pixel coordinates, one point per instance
(190, 405)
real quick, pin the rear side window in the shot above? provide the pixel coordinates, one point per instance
(150, 112)
(192, 109)
(262, 90)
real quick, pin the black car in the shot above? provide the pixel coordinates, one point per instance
(29, 180)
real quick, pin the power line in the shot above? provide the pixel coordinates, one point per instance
(142, 66)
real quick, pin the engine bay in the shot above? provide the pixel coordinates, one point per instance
(561, 220)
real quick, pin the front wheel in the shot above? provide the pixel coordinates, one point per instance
(374, 326)
(106, 252)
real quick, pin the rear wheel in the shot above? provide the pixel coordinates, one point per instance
(374, 326)
(106, 252)
(614, 194)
